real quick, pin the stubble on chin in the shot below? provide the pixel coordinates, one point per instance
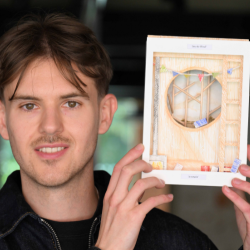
(50, 163)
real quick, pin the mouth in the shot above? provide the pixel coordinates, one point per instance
(51, 151)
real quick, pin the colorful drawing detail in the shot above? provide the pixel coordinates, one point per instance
(178, 167)
(205, 168)
(215, 169)
(200, 123)
(157, 164)
(163, 69)
(235, 166)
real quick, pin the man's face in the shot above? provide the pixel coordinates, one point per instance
(52, 126)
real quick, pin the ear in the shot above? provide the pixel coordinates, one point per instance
(108, 106)
(3, 127)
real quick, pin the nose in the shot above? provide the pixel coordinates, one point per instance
(51, 121)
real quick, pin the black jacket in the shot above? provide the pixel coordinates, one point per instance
(21, 228)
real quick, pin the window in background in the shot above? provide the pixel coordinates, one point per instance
(8, 163)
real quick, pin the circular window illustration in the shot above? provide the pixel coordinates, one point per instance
(194, 98)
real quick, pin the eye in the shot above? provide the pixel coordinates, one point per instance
(29, 106)
(72, 104)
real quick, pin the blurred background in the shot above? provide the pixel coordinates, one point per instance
(122, 26)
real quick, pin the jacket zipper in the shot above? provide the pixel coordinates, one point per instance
(57, 240)
(53, 231)
(91, 230)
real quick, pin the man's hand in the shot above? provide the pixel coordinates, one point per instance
(122, 215)
(241, 206)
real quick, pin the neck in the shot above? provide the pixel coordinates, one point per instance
(73, 201)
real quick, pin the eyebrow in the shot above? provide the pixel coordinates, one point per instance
(24, 97)
(81, 94)
(33, 98)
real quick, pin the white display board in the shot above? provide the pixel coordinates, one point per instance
(203, 78)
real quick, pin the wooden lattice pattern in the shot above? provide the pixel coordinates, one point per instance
(190, 97)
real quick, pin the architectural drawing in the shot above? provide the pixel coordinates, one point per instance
(196, 107)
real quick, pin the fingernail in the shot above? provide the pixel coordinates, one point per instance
(244, 168)
(162, 181)
(170, 196)
(139, 147)
(227, 189)
(237, 181)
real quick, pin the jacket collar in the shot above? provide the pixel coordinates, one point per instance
(13, 206)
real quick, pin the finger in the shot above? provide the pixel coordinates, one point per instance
(240, 218)
(152, 202)
(139, 188)
(131, 156)
(141, 196)
(126, 177)
(242, 195)
(238, 201)
(241, 186)
(244, 170)
(239, 192)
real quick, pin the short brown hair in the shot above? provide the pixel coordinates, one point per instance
(57, 36)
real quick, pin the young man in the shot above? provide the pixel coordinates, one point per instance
(54, 78)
